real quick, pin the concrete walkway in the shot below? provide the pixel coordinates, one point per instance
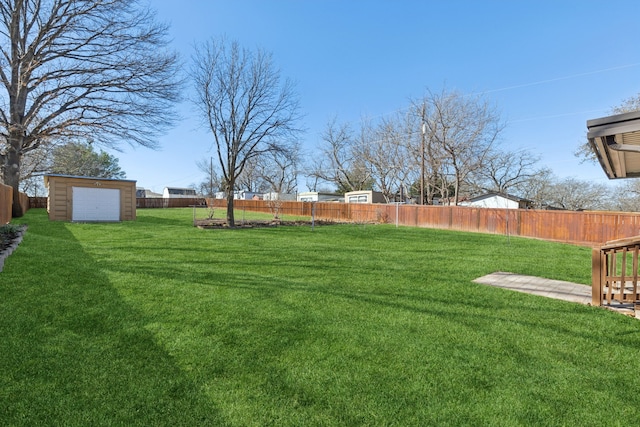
(556, 289)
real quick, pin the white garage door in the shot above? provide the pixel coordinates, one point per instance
(95, 204)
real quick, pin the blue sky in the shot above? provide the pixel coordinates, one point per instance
(548, 66)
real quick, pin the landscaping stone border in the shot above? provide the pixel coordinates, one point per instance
(4, 254)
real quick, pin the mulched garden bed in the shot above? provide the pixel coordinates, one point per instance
(222, 223)
(10, 238)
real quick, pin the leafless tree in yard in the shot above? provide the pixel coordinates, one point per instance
(575, 194)
(249, 179)
(538, 189)
(72, 69)
(249, 109)
(279, 170)
(428, 157)
(384, 149)
(505, 170)
(338, 161)
(626, 196)
(465, 128)
(33, 165)
(212, 182)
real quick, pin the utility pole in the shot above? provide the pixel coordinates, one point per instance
(424, 131)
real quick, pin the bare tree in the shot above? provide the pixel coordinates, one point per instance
(250, 179)
(464, 128)
(33, 165)
(575, 194)
(73, 69)
(504, 170)
(248, 108)
(627, 196)
(212, 182)
(338, 161)
(627, 105)
(279, 170)
(538, 189)
(384, 149)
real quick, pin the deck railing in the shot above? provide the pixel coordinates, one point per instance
(615, 273)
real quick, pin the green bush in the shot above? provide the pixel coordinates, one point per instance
(8, 232)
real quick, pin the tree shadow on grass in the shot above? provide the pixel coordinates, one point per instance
(261, 320)
(73, 352)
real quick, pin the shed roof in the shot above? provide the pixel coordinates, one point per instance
(93, 178)
(616, 142)
(495, 194)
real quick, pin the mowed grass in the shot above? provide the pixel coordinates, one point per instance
(155, 322)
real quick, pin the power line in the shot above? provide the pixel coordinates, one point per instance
(539, 82)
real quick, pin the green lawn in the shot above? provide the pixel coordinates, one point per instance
(155, 322)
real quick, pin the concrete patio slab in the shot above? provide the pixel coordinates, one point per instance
(557, 289)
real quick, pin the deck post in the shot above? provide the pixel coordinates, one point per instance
(596, 276)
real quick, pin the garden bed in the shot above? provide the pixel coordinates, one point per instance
(255, 223)
(10, 238)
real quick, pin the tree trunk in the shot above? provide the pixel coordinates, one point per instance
(12, 178)
(230, 218)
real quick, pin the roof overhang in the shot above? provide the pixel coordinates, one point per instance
(616, 142)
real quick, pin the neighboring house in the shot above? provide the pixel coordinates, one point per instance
(364, 197)
(247, 195)
(498, 201)
(144, 193)
(283, 197)
(315, 196)
(178, 193)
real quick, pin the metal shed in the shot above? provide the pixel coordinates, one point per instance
(616, 142)
(88, 199)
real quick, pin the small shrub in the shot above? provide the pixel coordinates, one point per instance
(383, 217)
(8, 232)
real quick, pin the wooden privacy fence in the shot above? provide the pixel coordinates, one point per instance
(37, 202)
(141, 202)
(6, 201)
(158, 202)
(584, 228)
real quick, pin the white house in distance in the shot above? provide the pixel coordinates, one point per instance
(315, 196)
(283, 197)
(364, 196)
(497, 201)
(145, 193)
(240, 195)
(178, 193)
